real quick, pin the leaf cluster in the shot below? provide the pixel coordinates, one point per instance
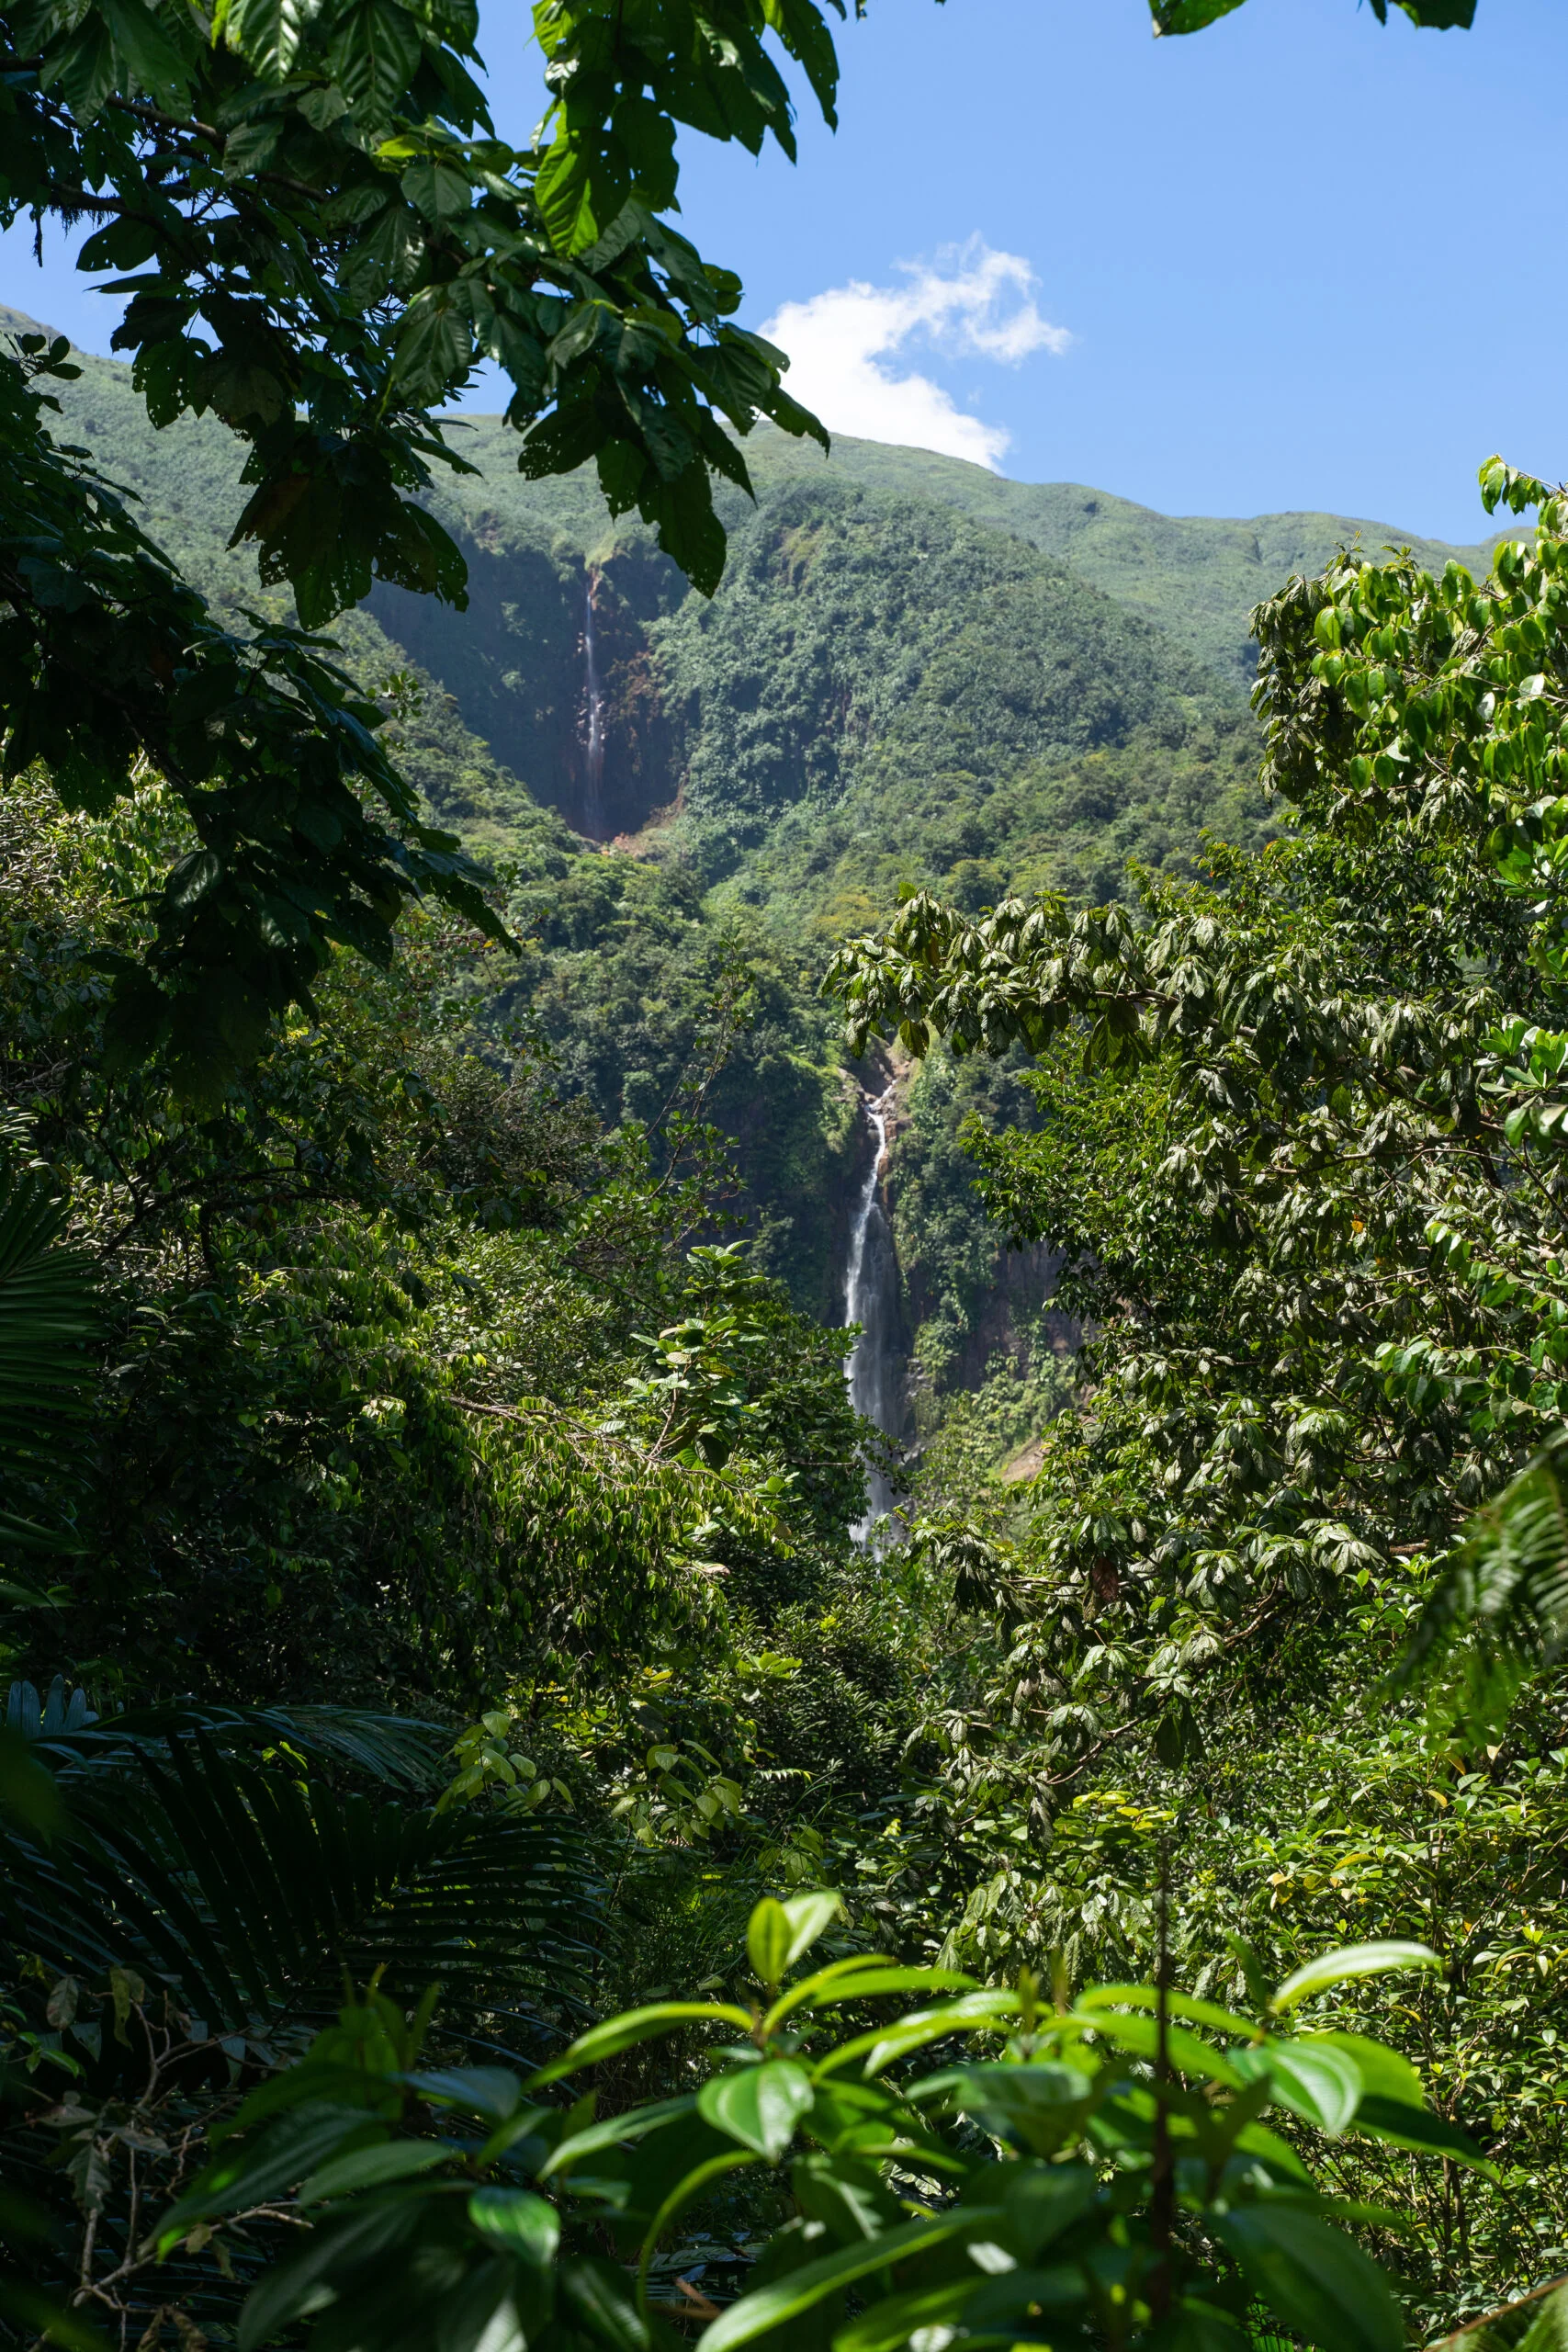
(1106, 2179)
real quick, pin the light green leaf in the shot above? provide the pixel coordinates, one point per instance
(759, 2105)
(1320, 2083)
(517, 2220)
(867, 1974)
(809, 1915)
(1256, 2139)
(1139, 2035)
(563, 193)
(1384, 2074)
(1339, 1967)
(607, 2040)
(1177, 2005)
(971, 2012)
(767, 1942)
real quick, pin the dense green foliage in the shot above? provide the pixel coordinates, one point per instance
(1294, 1137)
(795, 725)
(362, 1311)
(329, 236)
(1073, 2215)
(1196, 577)
(443, 1606)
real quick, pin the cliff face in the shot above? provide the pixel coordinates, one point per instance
(515, 663)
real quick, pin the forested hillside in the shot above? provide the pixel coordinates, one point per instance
(899, 684)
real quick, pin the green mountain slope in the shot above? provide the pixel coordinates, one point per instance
(914, 673)
(1197, 576)
(887, 693)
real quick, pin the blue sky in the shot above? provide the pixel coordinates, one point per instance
(1295, 261)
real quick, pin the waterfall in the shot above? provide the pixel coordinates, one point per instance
(871, 1299)
(594, 726)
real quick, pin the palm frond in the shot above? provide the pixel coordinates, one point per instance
(244, 1892)
(1537, 2323)
(399, 1752)
(47, 1316)
(1503, 1592)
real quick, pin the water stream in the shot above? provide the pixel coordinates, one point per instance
(871, 1299)
(594, 726)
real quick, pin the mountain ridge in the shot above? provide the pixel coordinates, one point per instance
(1195, 576)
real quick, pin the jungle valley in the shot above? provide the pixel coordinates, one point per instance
(784, 1331)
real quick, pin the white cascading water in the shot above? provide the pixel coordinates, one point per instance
(593, 726)
(871, 1299)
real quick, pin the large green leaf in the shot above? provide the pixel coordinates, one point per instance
(1384, 2073)
(1321, 2084)
(759, 2105)
(1312, 2277)
(1418, 2128)
(880, 2048)
(647, 2024)
(1343, 1967)
(374, 54)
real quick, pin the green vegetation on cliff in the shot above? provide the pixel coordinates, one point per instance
(915, 675)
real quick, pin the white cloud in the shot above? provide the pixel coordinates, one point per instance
(971, 301)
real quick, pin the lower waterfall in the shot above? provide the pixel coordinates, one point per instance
(871, 1299)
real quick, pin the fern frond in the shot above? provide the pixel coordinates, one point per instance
(244, 1895)
(47, 1316)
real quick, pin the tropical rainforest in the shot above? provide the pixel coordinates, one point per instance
(497, 1846)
